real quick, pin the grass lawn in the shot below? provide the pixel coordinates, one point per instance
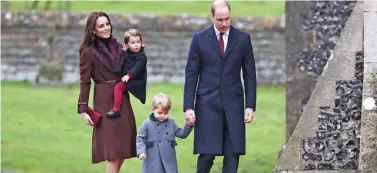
(239, 8)
(41, 132)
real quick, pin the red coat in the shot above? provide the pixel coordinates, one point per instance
(114, 138)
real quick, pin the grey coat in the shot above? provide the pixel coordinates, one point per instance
(157, 140)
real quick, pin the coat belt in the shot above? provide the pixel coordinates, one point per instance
(104, 82)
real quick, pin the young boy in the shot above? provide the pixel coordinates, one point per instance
(134, 71)
(156, 138)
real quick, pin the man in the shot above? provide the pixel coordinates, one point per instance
(216, 56)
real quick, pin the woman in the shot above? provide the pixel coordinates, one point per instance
(100, 59)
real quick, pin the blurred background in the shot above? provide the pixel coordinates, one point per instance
(41, 132)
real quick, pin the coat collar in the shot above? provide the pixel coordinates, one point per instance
(130, 53)
(217, 32)
(111, 59)
(232, 39)
(151, 117)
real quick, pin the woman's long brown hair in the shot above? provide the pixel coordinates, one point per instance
(88, 38)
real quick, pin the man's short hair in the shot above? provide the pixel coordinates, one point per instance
(213, 8)
(161, 100)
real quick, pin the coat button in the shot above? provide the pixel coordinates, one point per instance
(159, 141)
(166, 132)
(158, 124)
(166, 125)
(158, 132)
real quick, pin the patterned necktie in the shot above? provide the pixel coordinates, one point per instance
(221, 42)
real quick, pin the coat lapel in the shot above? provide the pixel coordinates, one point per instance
(105, 61)
(110, 60)
(232, 41)
(213, 39)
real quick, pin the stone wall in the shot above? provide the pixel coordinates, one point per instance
(30, 38)
(327, 135)
(336, 144)
(312, 30)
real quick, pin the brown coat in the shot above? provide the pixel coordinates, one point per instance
(114, 138)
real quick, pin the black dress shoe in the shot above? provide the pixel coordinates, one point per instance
(113, 113)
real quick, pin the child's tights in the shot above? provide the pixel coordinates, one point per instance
(119, 88)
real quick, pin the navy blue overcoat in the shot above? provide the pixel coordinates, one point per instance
(214, 89)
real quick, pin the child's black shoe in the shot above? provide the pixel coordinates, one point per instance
(113, 112)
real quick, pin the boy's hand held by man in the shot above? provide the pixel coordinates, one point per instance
(190, 117)
(142, 156)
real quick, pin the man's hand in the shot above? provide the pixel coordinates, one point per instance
(125, 78)
(190, 117)
(142, 156)
(249, 115)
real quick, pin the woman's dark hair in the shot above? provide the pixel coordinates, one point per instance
(89, 37)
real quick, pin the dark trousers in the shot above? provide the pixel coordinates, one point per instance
(230, 161)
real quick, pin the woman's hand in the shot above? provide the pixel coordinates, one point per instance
(87, 119)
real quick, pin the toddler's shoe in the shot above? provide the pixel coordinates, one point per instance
(113, 113)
